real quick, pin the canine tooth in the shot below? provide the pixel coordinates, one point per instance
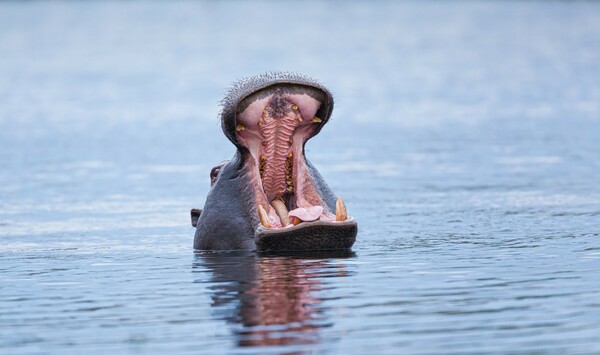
(281, 210)
(316, 120)
(290, 154)
(264, 217)
(240, 127)
(340, 210)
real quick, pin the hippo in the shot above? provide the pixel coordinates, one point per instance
(269, 197)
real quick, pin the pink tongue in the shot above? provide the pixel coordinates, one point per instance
(307, 214)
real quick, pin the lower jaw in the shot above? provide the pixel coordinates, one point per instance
(277, 231)
(308, 236)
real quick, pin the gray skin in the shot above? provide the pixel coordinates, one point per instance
(229, 219)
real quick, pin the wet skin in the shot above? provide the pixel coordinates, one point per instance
(268, 197)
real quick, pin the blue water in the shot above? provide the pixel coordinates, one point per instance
(465, 140)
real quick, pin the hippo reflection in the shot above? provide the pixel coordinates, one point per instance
(275, 299)
(268, 197)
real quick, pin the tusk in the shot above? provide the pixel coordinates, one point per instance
(340, 210)
(282, 211)
(264, 217)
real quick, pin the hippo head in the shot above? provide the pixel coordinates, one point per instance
(268, 197)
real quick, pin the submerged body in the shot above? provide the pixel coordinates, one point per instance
(268, 196)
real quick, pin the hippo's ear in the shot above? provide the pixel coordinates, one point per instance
(195, 213)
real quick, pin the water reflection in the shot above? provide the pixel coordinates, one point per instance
(274, 299)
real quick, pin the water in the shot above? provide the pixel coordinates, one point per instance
(465, 141)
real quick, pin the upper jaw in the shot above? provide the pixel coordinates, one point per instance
(246, 87)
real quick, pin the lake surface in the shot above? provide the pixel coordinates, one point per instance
(465, 141)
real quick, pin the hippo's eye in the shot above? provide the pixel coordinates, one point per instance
(214, 173)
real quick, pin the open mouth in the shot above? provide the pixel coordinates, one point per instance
(272, 125)
(269, 197)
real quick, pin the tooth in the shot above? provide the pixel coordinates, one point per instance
(316, 120)
(281, 210)
(240, 127)
(296, 221)
(300, 118)
(340, 210)
(264, 217)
